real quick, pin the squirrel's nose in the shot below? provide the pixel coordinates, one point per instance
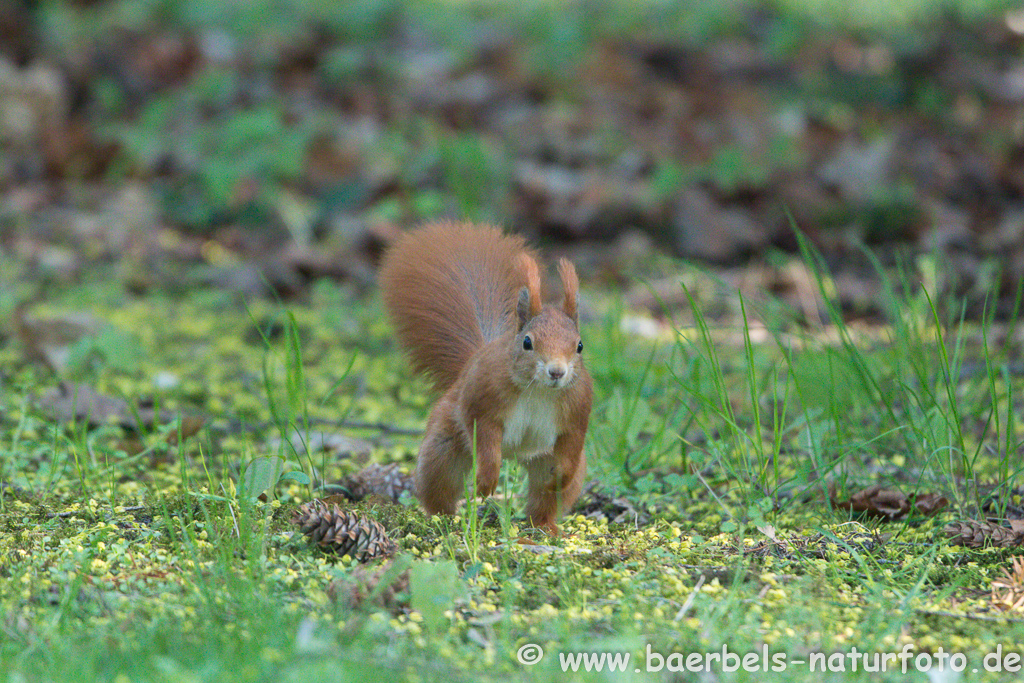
(556, 370)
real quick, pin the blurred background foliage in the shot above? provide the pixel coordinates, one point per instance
(303, 134)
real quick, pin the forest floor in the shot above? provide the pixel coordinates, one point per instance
(803, 455)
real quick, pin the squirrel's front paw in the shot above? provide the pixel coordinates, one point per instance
(486, 483)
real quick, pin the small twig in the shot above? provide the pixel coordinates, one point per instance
(379, 426)
(231, 511)
(72, 513)
(689, 599)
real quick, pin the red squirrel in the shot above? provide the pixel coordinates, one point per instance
(465, 302)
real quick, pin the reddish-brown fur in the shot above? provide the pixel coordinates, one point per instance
(463, 298)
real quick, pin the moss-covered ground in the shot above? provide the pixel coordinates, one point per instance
(132, 551)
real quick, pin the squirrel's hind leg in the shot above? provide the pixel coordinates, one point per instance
(551, 495)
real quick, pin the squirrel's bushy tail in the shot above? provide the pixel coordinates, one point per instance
(450, 288)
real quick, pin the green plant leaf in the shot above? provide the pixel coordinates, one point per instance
(295, 475)
(260, 475)
(433, 587)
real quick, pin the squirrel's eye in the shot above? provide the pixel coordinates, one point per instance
(579, 347)
(527, 343)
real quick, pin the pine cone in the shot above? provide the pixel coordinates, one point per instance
(343, 532)
(975, 534)
(387, 481)
(357, 589)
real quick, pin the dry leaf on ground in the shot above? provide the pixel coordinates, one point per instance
(878, 501)
(1008, 589)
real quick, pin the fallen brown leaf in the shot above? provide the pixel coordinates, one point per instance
(1008, 589)
(930, 503)
(878, 501)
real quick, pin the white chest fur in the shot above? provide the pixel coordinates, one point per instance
(532, 425)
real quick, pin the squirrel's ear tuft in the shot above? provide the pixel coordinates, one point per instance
(523, 307)
(532, 277)
(571, 285)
